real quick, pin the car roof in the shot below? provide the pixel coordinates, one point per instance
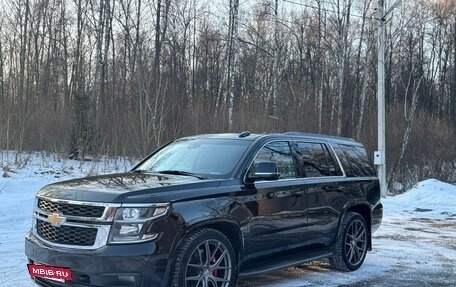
(331, 138)
(288, 135)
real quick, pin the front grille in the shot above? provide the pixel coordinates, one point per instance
(71, 209)
(68, 235)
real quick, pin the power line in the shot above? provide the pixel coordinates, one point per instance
(321, 8)
(324, 9)
(332, 3)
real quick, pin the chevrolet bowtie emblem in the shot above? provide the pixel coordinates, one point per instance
(56, 220)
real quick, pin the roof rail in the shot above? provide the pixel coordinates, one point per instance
(294, 133)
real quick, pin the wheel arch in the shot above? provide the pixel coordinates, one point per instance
(229, 228)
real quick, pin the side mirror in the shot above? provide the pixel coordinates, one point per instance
(266, 170)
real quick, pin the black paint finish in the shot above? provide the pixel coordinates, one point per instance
(264, 220)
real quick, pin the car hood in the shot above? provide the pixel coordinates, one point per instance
(128, 187)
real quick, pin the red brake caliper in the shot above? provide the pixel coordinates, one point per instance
(215, 272)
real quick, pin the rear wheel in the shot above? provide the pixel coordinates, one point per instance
(205, 259)
(351, 245)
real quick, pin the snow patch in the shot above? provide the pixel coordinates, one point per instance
(430, 192)
(427, 198)
(28, 173)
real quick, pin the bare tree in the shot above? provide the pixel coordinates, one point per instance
(409, 118)
(232, 52)
(2, 65)
(272, 98)
(343, 20)
(103, 74)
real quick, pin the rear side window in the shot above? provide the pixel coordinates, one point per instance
(314, 160)
(358, 160)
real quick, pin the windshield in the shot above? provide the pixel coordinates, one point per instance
(203, 158)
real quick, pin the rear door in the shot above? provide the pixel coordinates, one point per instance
(324, 191)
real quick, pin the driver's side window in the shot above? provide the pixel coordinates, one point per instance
(280, 153)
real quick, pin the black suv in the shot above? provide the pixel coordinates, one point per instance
(207, 210)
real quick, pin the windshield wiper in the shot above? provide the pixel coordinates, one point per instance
(180, 172)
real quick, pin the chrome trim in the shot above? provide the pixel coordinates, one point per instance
(139, 205)
(302, 179)
(102, 224)
(74, 224)
(75, 201)
(107, 217)
(100, 241)
(135, 241)
(291, 150)
(337, 159)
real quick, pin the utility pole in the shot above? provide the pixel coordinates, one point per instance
(380, 154)
(380, 157)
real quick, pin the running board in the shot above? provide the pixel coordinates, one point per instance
(283, 262)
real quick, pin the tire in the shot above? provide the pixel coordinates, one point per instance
(193, 267)
(350, 248)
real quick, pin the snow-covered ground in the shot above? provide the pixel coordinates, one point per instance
(21, 176)
(415, 246)
(416, 243)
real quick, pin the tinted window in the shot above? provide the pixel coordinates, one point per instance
(359, 162)
(314, 160)
(343, 160)
(280, 153)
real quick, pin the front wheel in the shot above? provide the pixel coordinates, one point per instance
(205, 258)
(351, 245)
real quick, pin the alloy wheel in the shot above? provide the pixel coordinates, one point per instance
(355, 242)
(210, 265)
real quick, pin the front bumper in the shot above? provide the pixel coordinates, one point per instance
(135, 265)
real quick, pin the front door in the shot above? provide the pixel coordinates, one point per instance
(278, 207)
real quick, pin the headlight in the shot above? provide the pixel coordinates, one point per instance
(132, 213)
(131, 223)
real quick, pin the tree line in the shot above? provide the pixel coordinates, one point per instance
(126, 76)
